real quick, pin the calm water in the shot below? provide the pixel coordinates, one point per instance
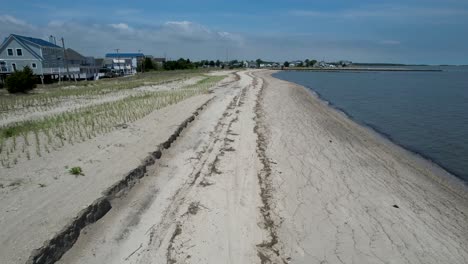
(426, 112)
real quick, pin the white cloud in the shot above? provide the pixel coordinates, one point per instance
(12, 20)
(176, 38)
(383, 11)
(121, 26)
(187, 28)
(179, 23)
(56, 23)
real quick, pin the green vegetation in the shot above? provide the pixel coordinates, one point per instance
(46, 99)
(147, 65)
(180, 64)
(21, 81)
(76, 171)
(21, 139)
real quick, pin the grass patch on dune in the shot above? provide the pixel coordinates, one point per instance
(23, 139)
(45, 98)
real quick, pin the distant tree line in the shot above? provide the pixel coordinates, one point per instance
(183, 64)
(305, 63)
(180, 64)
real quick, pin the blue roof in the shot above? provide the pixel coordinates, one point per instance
(37, 41)
(124, 55)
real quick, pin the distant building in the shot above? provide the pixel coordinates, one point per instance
(297, 63)
(251, 64)
(321, 64)
(79, 66)
(43, 57)
(125, 63)
(345, 63)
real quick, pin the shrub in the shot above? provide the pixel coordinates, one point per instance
(21, 81)
(180, 64)
(76, 171)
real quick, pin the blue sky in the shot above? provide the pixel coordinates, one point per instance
(411, 31)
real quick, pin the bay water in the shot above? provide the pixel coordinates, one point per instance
(425, 112)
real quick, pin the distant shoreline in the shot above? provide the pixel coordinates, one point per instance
(361, 69)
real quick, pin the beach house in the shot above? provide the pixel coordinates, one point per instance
(124, 63)
(43, 57)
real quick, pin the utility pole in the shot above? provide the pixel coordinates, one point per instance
(118, 59)
(142, 62)
(227, 55)
(65, 58)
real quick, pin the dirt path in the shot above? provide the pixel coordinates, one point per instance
(203, 195)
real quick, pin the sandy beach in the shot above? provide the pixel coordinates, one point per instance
(258, 170)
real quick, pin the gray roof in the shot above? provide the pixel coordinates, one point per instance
(74, 55)
(36, 41)
(124, 55)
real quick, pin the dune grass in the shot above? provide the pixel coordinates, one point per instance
(19, 141)
(52, 94)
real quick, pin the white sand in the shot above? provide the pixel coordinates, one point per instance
(336, 184)
(31, 214)
(275, 178)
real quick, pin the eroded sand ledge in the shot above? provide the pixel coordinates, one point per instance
(346, 195)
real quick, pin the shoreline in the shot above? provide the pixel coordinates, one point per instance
(362, 70)
(445, 173)
(345, 192)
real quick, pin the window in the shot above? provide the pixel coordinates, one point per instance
(19, 52)
(13, 65)
(10, 52)
(34, 65)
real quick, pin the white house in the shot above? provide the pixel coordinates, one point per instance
(125, 63)
(43, 57)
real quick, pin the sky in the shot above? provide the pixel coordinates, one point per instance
(398, 31)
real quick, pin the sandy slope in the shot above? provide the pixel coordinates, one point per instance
(267, 173)
(201, 202)
(38, 198)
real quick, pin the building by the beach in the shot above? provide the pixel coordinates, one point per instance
(45, 58)
(124, 63)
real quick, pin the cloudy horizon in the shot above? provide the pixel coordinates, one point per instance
(413, 32)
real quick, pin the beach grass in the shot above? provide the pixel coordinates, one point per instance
(21, 140)
(46, 98)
